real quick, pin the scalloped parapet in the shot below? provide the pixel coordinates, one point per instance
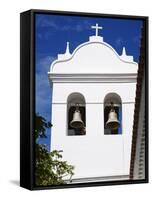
(93, 57)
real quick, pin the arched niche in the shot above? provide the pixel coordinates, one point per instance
(73, 100)
(115, 100)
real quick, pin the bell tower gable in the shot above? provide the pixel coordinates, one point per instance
(93, 88)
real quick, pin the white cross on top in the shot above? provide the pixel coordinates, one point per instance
(96, 27)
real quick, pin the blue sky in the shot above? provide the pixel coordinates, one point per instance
(52, 33)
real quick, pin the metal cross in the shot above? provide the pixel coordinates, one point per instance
(97, 28)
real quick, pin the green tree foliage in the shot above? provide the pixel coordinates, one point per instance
(40, 126)
(50, 169)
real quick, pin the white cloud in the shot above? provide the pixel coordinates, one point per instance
(119, 42)
(85, 24)
(45, 62)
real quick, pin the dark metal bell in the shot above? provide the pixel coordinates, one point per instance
(77, 121)
(113, 122)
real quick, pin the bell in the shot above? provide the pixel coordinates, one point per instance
(113, 122)
(77, 121)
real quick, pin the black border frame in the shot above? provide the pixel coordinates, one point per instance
(27, 98)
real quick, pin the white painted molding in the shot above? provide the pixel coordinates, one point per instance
(92, 78)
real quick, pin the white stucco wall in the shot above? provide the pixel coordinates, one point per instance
(94, 154)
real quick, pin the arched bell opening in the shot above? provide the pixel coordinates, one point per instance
(76, 114)
(112, 114)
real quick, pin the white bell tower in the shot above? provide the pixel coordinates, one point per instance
(93, 76)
